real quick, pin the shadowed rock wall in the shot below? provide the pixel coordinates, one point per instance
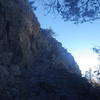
(33, 64)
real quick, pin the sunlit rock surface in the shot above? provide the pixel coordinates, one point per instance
(33, 64)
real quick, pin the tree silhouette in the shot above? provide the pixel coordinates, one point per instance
(78, 11)
(88, 75)
(97, 70)
(93, 74)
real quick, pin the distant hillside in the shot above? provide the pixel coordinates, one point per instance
(33, 64)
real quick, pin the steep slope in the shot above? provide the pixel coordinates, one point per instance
(33, 64)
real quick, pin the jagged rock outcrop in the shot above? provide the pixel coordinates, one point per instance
(33, 64)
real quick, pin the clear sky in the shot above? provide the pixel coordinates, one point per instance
(77, 39)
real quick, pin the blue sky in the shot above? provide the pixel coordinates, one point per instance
(77, 39)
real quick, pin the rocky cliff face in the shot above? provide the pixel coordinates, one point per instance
(33, 64)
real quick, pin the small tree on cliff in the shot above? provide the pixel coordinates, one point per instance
(88, 75)
(97, 70)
